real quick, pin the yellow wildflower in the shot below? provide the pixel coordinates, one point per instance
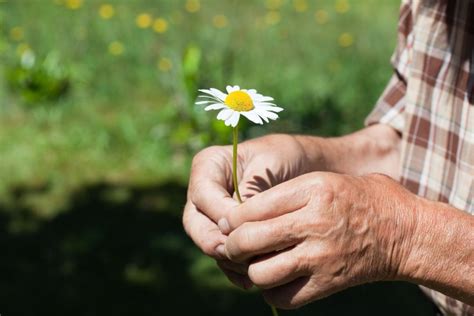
(272, 17)
(165, 64)
(273, 4)
(106, 11)
(220, 21)
(116, 48)
(300, 5)
(73, 4)
(342, 6)
(17, 33)
(160, 25)
(144, 20)
(321, 16)
(345, 40)
(193, 6)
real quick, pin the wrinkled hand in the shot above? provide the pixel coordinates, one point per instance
(262, 163)
(320, 233)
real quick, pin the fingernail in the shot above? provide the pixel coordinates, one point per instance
(223, 225)
(221, 250)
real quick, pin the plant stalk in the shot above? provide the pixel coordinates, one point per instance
(234, 162)
(235, 141)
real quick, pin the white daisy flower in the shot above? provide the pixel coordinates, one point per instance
(254, 106)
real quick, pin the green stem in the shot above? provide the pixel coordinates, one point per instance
(234, 162)
(235, 141)
(274, 310)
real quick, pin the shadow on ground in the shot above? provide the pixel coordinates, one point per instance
(121, 250)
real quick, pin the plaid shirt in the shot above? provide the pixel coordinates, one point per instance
(429, 100)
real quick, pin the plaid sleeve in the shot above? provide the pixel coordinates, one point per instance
(390, 107)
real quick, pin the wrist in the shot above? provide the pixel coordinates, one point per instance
(315, 151)
(420, 241)
(372, 149)
(394, 215)
(442, 251)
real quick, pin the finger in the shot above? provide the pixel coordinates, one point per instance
(291, 295)
(237, 279)
(210, 182)
(257, 238)
(203, 231)
(278, 268)
(284, 198)
(240, 268)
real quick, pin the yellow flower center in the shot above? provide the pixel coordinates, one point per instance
(239, 101)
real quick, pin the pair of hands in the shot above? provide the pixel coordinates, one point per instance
(299, 235)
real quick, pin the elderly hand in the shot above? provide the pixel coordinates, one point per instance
(262, 163)
(320, 233)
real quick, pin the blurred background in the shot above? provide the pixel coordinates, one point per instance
(98, 126)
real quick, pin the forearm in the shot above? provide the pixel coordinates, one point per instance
(441, 255)
(372, 149)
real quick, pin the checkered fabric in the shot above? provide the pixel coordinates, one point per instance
(429, 100)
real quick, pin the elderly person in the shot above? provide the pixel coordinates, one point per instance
(393, 201)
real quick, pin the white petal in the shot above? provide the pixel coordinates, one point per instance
(266, 114)
(233, 120)
(208, 97)
(221, 95)
(268, 107)
(203, 102)
(264, 103)
(215, 106)
(264, 117)
(215, 93)
(252, 116)
(231, 89)
(261, 98)
(225, 114)
(206, 91)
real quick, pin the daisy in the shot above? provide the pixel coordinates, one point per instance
(254, 106)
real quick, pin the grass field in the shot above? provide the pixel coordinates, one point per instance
(98, 126)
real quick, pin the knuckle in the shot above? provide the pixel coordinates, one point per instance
(194, 193)
(327, 194)
(258, 275)
(208, 247)
(267, 275)
(247, 237)
(233, 219)
(242, 242)
(324, 189)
